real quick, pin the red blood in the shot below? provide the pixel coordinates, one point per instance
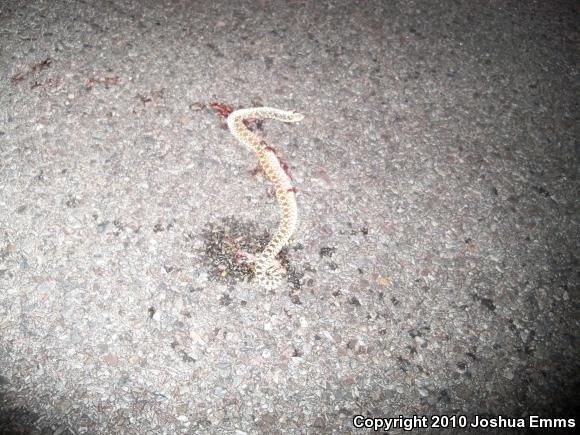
(282, 163)
(222, 109)
(286, 169)
(253, 124)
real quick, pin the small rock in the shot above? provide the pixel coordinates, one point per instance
(508, 374)
(196, 106)
(63, 405)
(111, 359)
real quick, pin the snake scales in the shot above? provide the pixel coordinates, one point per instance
(268, 272)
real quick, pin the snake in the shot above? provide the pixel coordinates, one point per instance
(268, 272)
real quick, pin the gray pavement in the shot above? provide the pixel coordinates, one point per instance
(436, 266)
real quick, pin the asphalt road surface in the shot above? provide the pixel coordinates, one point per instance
(435, 271)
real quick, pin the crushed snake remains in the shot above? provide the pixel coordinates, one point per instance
(268, 272)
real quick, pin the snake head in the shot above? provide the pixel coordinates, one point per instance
(296, 117)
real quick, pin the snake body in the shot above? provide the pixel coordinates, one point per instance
(268, 272)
